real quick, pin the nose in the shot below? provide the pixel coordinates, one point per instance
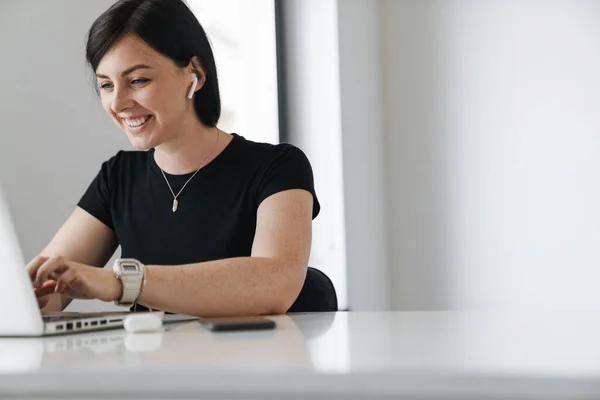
(121, 100)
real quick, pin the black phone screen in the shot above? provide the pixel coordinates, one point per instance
(237, 323)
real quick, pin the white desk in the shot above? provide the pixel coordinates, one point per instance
(425, 355)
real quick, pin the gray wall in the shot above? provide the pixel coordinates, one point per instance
(491, 110)
(363, 143)
(469, 147)
(54, 132)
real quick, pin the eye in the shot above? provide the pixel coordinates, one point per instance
(139, 81)
(106, 86)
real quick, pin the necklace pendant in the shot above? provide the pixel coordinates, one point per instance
(175, 205)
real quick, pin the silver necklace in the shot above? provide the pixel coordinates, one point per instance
(175, 201)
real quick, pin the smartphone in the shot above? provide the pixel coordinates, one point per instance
(222, 324)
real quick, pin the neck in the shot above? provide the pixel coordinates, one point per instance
(192, 148)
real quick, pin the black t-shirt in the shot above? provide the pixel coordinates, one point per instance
(216, 217)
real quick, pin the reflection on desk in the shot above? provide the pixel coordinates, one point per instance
(400, 355)
(180, 344)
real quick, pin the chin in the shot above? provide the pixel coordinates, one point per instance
(141, 147)
(141, 143)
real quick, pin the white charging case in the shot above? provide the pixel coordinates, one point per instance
(146, 322)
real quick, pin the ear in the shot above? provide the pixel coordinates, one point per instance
(197, 69)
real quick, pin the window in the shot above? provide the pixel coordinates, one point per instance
(242, 34)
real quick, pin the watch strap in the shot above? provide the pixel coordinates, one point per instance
(131, 284)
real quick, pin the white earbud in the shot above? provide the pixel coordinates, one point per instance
(193, 88)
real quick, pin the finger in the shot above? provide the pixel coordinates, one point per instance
(53, 276)
(44, 292)
(49, 269)
(48, 283)
(47, 288)
(42, 301)
(34, 264)
(52, 265)
(65, 279)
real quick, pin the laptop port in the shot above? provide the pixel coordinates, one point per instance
(102, 322)
(69, 326)
(78, 325)
(94, 323)
(59, 327)
(112, 321)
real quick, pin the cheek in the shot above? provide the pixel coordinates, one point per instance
(107, 105)
(167, 102)
(148, 97)
(106, 100)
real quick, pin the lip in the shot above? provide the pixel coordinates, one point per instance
(139, 129)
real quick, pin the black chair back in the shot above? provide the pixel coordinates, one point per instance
(317, 294)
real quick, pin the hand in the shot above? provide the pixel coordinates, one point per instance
(43, 293)
(79, 281)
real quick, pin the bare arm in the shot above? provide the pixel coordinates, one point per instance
(83, 239)
(268, 282)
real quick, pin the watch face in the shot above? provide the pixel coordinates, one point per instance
(129, 267)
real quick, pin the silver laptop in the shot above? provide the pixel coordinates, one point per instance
(19, 310)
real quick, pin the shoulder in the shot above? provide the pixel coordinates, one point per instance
(278, 167)
(267, 154)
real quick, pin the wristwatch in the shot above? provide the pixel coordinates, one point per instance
(131, 274)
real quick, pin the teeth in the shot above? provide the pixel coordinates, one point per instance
(134, 123)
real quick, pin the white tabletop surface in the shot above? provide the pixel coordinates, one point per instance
(425, 355)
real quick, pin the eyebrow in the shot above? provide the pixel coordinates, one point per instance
(127, 71)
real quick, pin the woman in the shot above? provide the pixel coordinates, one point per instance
(209, 223)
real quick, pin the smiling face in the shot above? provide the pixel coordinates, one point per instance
(145, 93)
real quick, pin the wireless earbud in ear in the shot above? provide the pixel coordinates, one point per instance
(194, 84)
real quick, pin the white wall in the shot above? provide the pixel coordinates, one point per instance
(314, 123)
(363, 143)
(54, 131)
(492, 115)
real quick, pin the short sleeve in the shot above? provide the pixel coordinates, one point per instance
(96, 199)
(287, 169)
